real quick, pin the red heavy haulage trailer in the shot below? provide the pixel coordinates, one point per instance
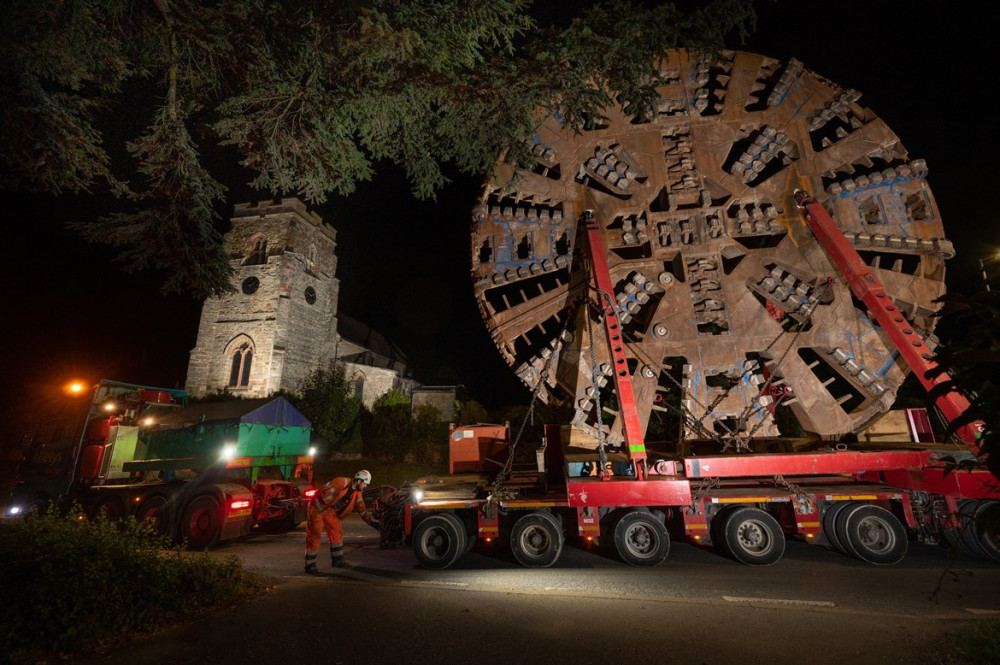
(866, 504)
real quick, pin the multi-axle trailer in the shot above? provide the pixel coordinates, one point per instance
(865, 503)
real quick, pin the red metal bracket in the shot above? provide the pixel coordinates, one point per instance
(623, 382)
(869, 290)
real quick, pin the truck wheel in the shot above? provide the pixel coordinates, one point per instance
(979, 533)
(154, 511)
(201, 522)
(830, 524)
(536, 540)
(872, 534)
(987, 525)
(438, 541)
(470, 535)
(716, 529)
(964, 537)
(641, 539)
(108, 509)
(753, 537)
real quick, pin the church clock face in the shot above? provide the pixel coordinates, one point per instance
(310, 295)
(250, 285)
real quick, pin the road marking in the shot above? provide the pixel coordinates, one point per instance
(780, 601)
(432, 584)
(973, 610)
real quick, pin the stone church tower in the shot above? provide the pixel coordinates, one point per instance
(281, 323)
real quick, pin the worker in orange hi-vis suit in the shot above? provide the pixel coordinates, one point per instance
(332, 503)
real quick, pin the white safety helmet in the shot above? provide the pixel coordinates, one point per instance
(364, 476)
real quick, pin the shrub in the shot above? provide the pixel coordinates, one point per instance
(71, 585)
(327, 399)
(386, 429)
(429, 436)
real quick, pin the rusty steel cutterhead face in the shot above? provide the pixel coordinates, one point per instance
(729, 306)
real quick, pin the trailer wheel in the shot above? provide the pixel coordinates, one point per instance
(872, 534)
(536, 540)
(964, 537)
(987, 524)
(979, 533)
(717, 529)
(470, 535)
(830, 524)
(201, 523)
(154, 511)
(439, 541)
(641, 539)
(753, 537)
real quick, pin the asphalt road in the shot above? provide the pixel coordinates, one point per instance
(814, 606)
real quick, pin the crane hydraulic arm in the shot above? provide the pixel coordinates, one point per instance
(867, 288)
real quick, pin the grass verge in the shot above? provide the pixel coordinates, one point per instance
(978, 644)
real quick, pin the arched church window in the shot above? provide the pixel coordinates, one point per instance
(239, 370)
(258, 250)
(359, 385)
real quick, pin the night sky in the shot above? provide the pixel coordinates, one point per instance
(404, 265)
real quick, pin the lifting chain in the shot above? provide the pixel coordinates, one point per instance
(602, 454)
(704, 487)
(497, 491)
(683, 411)
(804, 504)
(741, 443)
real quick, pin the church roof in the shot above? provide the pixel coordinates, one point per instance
(362, 335)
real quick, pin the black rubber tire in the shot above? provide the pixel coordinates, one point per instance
(439, 541)
(716, 530)
(873, 534)
(951, 537)
(965, 534)
(201, 522)
(536, 540)
(979, 532)
(109, 509)
(753, 537)
(641, 539)
(155, 509)
(830, 524)
(471, 535)
(986, 523)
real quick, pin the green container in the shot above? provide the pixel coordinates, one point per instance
(257, 428)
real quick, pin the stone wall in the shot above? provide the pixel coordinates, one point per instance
(441, 398)
(376, 381)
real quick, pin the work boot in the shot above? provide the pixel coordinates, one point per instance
(340, 563)
(312, 569)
